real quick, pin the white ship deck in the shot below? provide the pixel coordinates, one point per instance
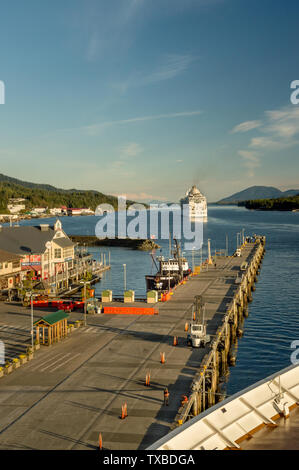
(247, 420)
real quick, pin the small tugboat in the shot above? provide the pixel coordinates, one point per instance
(169, 271)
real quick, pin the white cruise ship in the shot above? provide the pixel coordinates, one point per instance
(197, 203)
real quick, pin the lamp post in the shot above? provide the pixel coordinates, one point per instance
(193, 267)
(125, 277)
(84, 282)
(31, 308)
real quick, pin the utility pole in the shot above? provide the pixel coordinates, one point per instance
(31, 304)
(193, 267)
(125, 277)
(209, 252)
(84, 282)
(85, 303)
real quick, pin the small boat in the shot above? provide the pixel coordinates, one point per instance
(169, 271)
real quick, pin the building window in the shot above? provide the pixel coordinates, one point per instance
(57, 253)
(15, 264)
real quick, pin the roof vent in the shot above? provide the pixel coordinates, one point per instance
(44, 227)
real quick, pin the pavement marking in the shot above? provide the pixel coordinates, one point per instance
(65, 362)
(37, 366)
(55, 362)
(56, 387)
(14, 327)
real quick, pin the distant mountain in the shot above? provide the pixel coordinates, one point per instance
(258, 192)
(46, 187)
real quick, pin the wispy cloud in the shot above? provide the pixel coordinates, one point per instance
(170, 66)
(128, 151)
(251, 161)
(94, 129)
(105, 26)
(246, 126)
(279, 129)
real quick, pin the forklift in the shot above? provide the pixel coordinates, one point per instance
(198, 337)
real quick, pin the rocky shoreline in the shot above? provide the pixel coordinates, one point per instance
(134, 244)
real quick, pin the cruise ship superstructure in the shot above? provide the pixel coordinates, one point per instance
(197, 203)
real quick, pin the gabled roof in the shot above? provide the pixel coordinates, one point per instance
(63, 242)
(53, 318)
(25, 239)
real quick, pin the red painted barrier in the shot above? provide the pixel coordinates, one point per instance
(40, 303)
(130, 311)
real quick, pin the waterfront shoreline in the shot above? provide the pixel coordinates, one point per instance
(133, 244)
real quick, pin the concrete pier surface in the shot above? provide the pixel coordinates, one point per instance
(74, 390)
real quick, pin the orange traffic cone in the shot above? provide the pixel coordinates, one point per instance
(100, 442)
(147, 379)
(194, 316)
(122, 416)
(162, 356)
(126, 409)
(186, 326)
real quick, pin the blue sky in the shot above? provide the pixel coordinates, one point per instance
(145, 98)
